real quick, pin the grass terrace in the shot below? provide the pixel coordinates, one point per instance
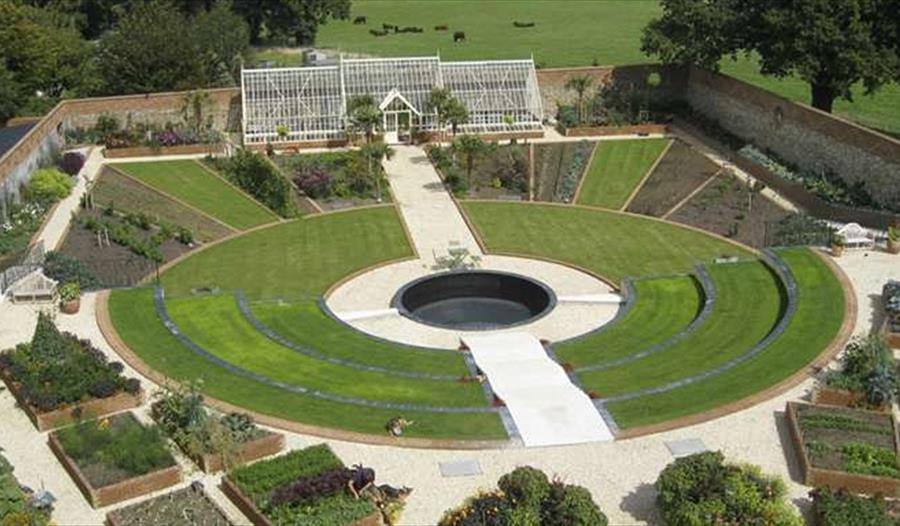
(618, 168)
(193, 184)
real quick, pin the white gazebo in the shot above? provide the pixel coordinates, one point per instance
(310, 103)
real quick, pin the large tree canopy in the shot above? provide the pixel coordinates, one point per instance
(154, 47)
(41, 60)
(830, 44)
(286, 20)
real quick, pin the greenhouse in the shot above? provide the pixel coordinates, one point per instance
(309, 103)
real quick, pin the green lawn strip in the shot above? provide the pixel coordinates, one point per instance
(748, 305)
(820, 313)
(135, 320)
(616, 170)
(296, 260)
(188, 181)
(305, 324)
(664, 307)
(216, 324)
(611, 244)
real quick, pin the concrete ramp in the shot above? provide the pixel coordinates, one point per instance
(547, 408)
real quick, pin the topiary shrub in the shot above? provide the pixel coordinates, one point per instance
(527, 498)
(702, 489)
(71, 163)
(49, 184)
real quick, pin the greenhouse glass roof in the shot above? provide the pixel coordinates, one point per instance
(309, 103)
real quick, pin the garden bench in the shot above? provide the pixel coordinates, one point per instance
(856, 236)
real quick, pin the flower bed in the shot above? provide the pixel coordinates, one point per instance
(115, 459)
(845, 448)
(303, 487)
(214, 443)
(153, 151)
(58, 379)
(336, 179)
(21, 221)
(190, 506)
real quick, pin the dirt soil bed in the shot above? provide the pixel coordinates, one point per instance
(114, 265)
(129, 195)
(185, 507)
(552, 161)
(826, 430)
(722, 208)
(681, 171)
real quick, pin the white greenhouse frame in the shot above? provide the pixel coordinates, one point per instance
(310, 103)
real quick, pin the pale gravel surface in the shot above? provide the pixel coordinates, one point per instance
(619, 474)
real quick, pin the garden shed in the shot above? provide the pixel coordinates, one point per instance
(309, 104)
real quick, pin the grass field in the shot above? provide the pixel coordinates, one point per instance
(617, 169)
(566, 33)
(190, 182)
(610, 244)
(733, 328)
(304, 323)
(295, 260)
(666, 305)
(817, 321)
(132, 314)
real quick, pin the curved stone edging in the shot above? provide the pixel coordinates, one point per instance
(244, 307)
(845, 332)
(628, 291)
(172, 327)
(790, 285)
(111, 336)
(709, 291)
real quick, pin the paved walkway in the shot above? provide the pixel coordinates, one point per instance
(548, 409)
(430, 214)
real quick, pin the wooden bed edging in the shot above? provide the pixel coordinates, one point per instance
(834, 479)
(264, 446)
(825, 395)
(93, 408)
(119, 491)
(257, 518)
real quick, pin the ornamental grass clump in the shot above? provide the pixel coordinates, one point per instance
(57, 369)
(526, 496)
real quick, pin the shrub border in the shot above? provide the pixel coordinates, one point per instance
(119, 491)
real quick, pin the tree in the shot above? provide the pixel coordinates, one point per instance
(830, 45)
(42, 61)
(580, 85)
(151, 48)
(286, 19)
(456, 114)
(471, 147)
(375, 152)
(223, 37)
(364, 115)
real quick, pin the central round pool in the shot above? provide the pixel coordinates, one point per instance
(474, 300)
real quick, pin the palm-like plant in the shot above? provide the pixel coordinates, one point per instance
(365, 116)
(456, 114)
(438, 101)
(376, 152)
(471, 147)
(580, 85)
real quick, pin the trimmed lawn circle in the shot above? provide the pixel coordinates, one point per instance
(251, 304)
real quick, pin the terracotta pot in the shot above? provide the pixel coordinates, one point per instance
(893, 247)
(71, 306)
(837, 250)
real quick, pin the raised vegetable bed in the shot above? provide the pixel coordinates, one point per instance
(58, 379)
(824, 395)
(186, 507)
(252, 488)
(845, 448)
(115, 459)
